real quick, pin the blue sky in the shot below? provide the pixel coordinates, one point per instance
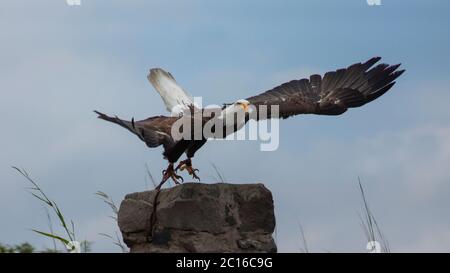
(59, 63)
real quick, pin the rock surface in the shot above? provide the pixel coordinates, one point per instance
(195, 217)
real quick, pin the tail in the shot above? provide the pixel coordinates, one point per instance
(125, 124)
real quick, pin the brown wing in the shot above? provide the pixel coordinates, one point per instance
(153, 131)
(333, 94)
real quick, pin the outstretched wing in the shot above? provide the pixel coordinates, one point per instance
(333, 94)
(154, 131)
(175, 98)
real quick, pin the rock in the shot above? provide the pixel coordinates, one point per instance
(194, 217)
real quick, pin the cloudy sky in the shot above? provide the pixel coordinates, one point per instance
(60, 62)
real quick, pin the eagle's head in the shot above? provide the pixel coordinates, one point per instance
(241, 104)
(239, 108)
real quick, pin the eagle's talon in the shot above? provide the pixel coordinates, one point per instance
(169, 173)
(176, 177)
(181, 166)
(194, 175)
(192, 172)
(187, 165)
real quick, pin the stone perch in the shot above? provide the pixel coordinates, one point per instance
(195, 217)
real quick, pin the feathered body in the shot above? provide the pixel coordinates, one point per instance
(332, 94)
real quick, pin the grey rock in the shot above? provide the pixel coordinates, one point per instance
(195, 217)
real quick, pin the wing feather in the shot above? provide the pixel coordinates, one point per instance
(175, 98)
(333, 93)
(154, 131)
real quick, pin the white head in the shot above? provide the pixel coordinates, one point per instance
(243, 104)
(240, 107)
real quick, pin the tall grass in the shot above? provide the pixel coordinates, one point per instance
(304, 248)
(116, 239)
(50, 227)
(150, 177)
(68, 226)
(370, 225)
(219, 175)
(110, 202)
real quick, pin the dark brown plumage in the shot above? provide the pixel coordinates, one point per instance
(156, 131)
(333, 94)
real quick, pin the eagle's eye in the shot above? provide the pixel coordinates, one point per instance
(244, 105)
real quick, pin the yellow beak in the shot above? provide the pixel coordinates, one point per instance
(244, 106)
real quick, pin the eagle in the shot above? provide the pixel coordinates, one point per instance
(331, 94)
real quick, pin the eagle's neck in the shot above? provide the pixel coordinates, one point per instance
(233, 116)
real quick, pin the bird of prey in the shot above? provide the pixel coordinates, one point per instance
(331, 94)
